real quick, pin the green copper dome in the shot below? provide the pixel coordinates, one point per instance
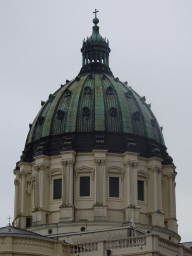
(95, 111)
(95, 103)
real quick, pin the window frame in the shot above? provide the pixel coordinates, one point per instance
(141, 175)
(82, 176)
(84, 171)
(54, 175)
(115, 171)
(54, 187)
(116, 197)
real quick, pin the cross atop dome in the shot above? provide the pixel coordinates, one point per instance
(95, 13)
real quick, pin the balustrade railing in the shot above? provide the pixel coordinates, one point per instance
(168, 244)
(90, 247)
(125, 243)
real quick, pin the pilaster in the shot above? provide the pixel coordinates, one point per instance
(155, 191)
(41, 166)
(131, 166)
(100, 208)
(67, 207)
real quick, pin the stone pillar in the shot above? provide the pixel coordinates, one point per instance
(67, 207)
(155, 189)
(100, 208)
(103, 177)
(23, 192)
(135, 196)
(70, 189)
(97, 182)
(16, 206)
(128, 183)
(36, 187)
(157, 215)
(160, 190)
(174, 198)
(170, 177)
(64, 165)
(41, 187)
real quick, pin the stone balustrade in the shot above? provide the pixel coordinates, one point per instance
(125, 243)
(168, 245)
(80, 248)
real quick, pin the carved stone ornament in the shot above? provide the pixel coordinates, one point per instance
(113, 112)
(42, 103)
(110, 90)
(67, 81)
(104, 77)
(86, 111)
(126, 83)
(153, 122)
(143, 99)
(136, 115)
(60, 114)
(67, 93)
(116, 79)
(90, 76)
(87, 90)
(41, 120)
(51, 97)
(129, 94)
(77, 78)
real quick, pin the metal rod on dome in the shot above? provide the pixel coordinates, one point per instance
(9, 220)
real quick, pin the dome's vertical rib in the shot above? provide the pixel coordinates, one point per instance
(113, 114)
(99, 105)
(126, 117)
(86, 109)
(71, 121)
(49, 117)
(60, 115)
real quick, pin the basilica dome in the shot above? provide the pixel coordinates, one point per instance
(95, 159)
(95, 110)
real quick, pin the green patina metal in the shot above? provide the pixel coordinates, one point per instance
(72, 114)
(96, 76)
(99, 105)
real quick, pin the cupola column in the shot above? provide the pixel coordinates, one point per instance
(160, 189)
(42, 185)
(100, 208)
(16, 206)
(170, 177)
(36, 186)
(155, 189)
(135, 199)
(128, 182)
(23, 192)
(64, 167)
(67, 207)
(70, 170)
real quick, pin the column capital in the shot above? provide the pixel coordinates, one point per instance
(155, 168)
(101, 161)
(23, 173)
(36, 167)
(70, 162)
(16, 182)
(42, 167)
(129, 163)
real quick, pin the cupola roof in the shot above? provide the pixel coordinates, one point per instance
(95, 111)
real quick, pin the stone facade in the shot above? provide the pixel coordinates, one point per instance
(34, 192)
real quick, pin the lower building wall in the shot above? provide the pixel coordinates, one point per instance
(150, 245)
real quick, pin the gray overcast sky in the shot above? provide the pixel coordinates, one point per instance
(151, 48)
